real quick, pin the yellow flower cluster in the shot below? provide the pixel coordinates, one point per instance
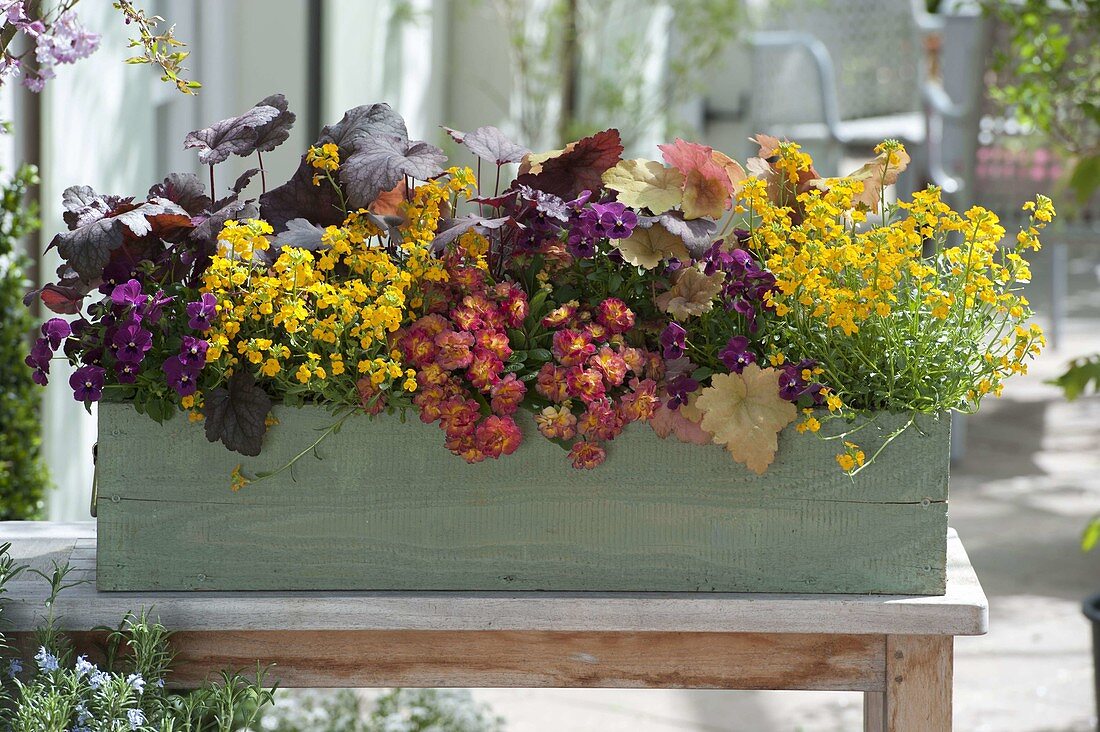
(325, 158)
(317, 322)
(887, 310)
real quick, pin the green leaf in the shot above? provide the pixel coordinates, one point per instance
(541, 354)
(1085, 179)
(1091, 536)
(702, 373)
(1079, 376)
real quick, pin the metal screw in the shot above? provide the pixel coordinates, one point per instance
(201, 578)
(926, 503)
(115, 499)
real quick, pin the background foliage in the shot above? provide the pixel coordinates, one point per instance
(23, 478)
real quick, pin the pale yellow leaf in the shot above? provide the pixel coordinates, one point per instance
(646, 184)
(745, 413)
(649, 246)
(692, 294)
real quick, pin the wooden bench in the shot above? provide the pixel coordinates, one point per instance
(895, 649)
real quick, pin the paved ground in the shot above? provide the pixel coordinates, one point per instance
(1019, 498)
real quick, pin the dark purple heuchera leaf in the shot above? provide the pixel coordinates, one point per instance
(237, 414)
(379, 163)
(451, 229)
(697, 233)
(185, 190)
(489, 143)
(208, 226)
(83, 206)
(579, 167)
(363, 123)
(274, 133)
(298, 198)
(236, 135)
(244, 179)
(88, 249)
(302, 234)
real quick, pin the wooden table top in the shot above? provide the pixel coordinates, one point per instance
(962, 611)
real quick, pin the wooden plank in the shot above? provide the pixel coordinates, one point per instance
(874, 711)
(962, 611)
(918, 683)
(406, 515)
(534, 659)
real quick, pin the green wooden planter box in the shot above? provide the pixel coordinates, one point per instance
(388, 508)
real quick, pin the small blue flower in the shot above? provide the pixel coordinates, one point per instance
(98, 679)
(46, 660)
(136, 683)
(15, 667)
(84, 667)
(82, 715)
(136, 718)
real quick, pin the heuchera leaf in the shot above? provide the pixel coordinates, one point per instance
(745, 413)
(274, 133)
(489, 143)
(237, 414)
(88, 249)
(379, 163)
(667, 422)
(208, 226)
(184, 189)
(236, 135)
(302, 234)
(83, 206)
(649, 246)
(451, 229)
(363, 123)
(645, 184)
(698, 234)
(707, 185)
(769, 145)
(692, 294)
(579, 167)
(298, 198)
(875, 174)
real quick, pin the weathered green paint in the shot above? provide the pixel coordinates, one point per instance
(388, 508)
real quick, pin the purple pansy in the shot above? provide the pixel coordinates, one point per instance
(131, 342)
(56, 330)
(680, 390)
(152, 310)
(615, 219)
(181, 376)
(193, 351)
(128, 293)
(87, 383)
(736, 355)
(126, 372)
(673, 340)
(39, 360)
(201, 313)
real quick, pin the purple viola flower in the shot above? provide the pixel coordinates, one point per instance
(128, 293)
(201, 313)
(673, 340)
(736, 355)
(131, 342)
(39, 360)
(181, 376)
(126, 372)
(87, 383)
(56, 330)
(581, 247)
(680, 390)
(193, 351)
(153, 309)
(616, 220)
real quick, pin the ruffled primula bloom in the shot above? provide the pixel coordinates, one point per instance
(586, 455)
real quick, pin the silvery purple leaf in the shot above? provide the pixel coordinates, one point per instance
(299, 198)
(697, 233)
(184, 189)
(243, 180)
(302, 234)
(489, 143)
(88, 249)
(274, 133)
(363, 123)
(236, 135)
(83, 206)
(379, 163)
(451, 229)
(207, 228)
(137, 221)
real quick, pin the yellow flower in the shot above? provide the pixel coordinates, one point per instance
(237, 480)
(326, 158)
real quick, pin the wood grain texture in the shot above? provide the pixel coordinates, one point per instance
(874, 710)
(963, 610)
(919, 671)
(387, 508)
(531, 659)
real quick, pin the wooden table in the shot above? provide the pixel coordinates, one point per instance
(895, 649)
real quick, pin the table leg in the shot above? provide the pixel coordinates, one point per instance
(918, 683)
(874, 708)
